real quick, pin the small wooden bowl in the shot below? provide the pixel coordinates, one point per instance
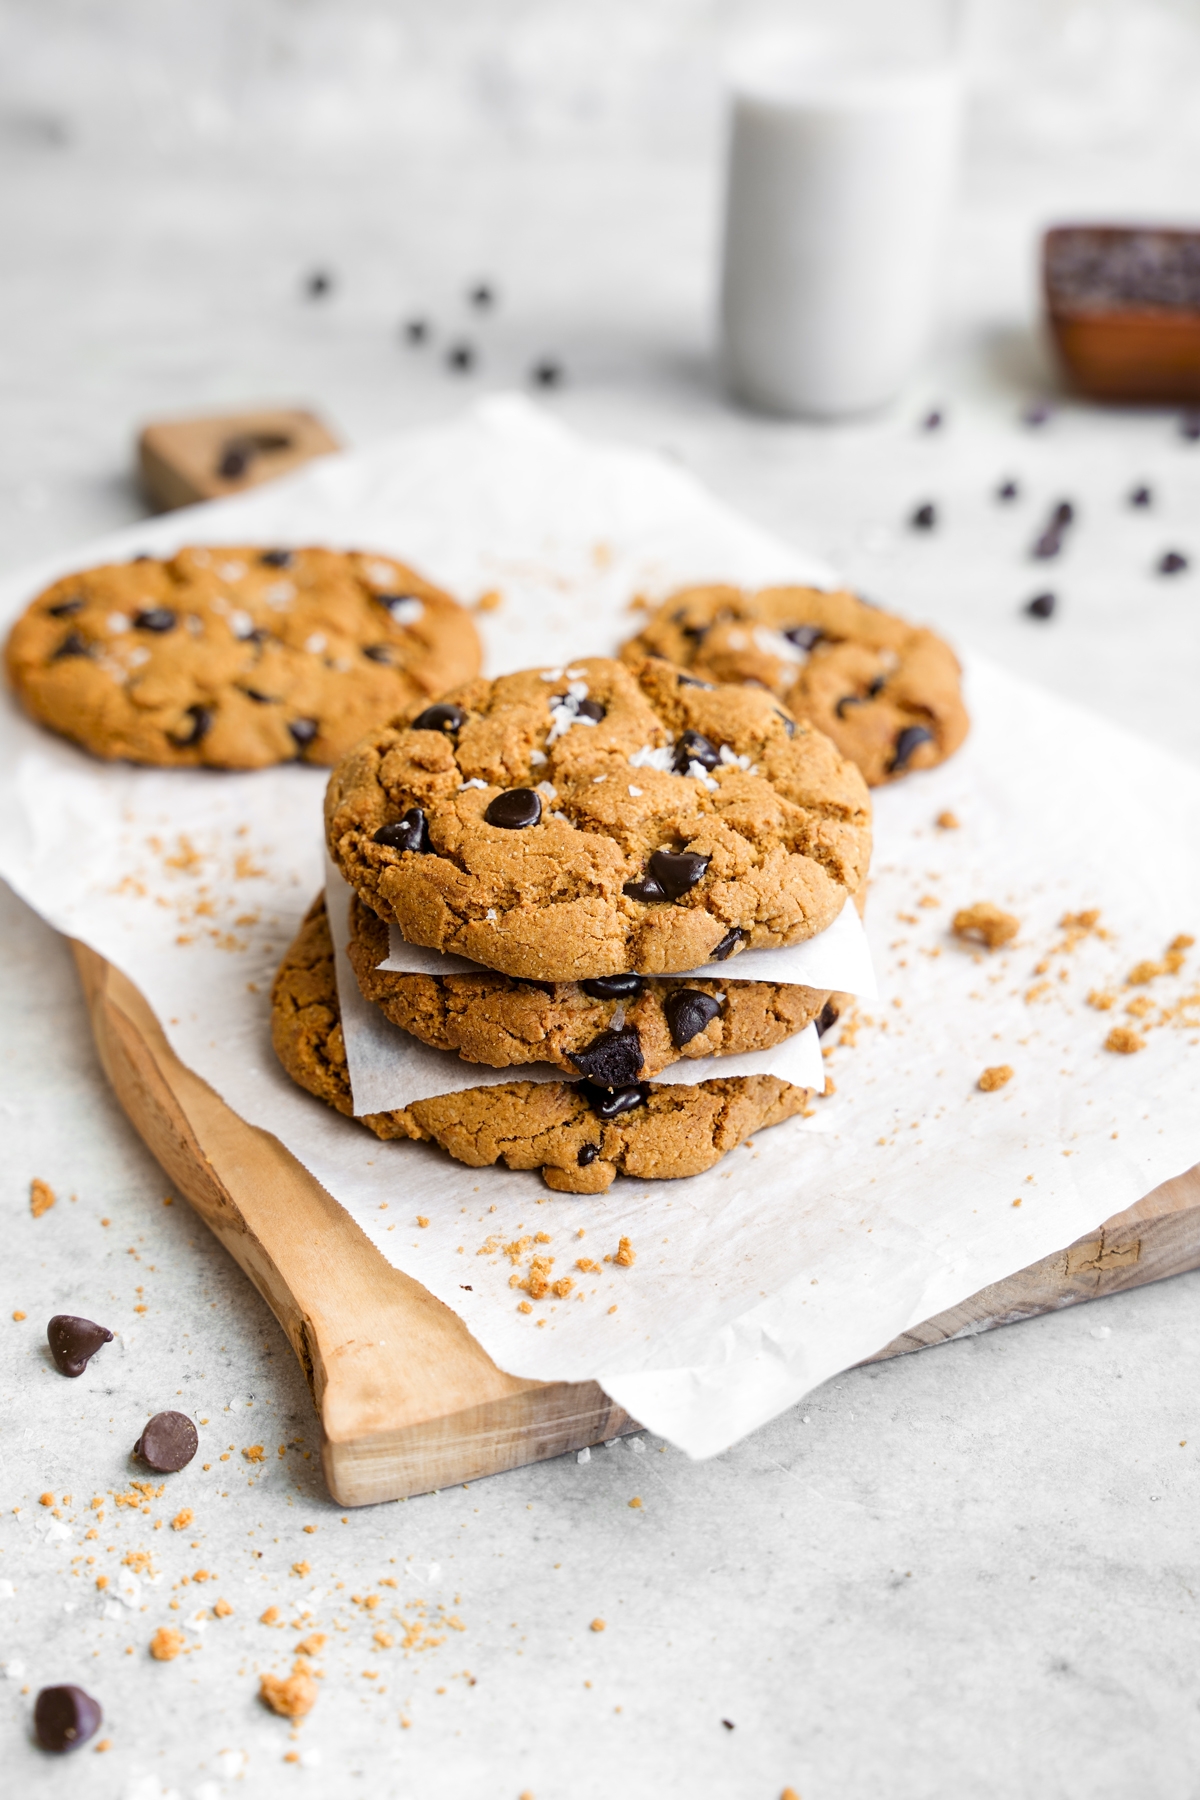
(1123, 304)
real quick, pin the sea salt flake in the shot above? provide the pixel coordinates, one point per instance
(584, 1455)
(406, 610)
(316, 643)
(649, 757)
(773, 643)
(280, 594)
(474, 782)
(231, 571)
(537, 758)
(635, 791)
(241, 624)
(117, 622)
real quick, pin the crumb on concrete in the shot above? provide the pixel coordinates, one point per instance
(947, 821)
(290, 1696)
(166, 1644)
(986, 924)
(1124, 1040)
(41, 1197)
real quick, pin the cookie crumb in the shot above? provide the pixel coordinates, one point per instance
(1101, 1000)
(41, 1197)
(998, 1076)
(598, 1625)
(1124, 1040)
(166, 1644)
(626, 1254)
(986, 923)
(182, 1519)
(524, 1307)
(422, 1222)
(636, 1502)
(222, 1609)
(291, 1696)
(103, 1745)
(489, 602)
(254, 1453)
(18, 1316)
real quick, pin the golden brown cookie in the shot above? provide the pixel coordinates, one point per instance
(580, 1136)
(614, 1030)
(236, 658)
(562, 824)
(887, 693)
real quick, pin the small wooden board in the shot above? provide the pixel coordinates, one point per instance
(182, 461)
(408, 1401)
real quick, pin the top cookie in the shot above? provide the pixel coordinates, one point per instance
(886, 692)
(236, 658)
(601, 819)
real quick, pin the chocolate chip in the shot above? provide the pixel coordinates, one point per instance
(727, 945)
(1008, 491)
(587, 1154)
(72, 1341)
(609, 1105)
(416, 330)
(263, 699)
(613, 1060)
(482, 296)
(924, 518)
(233, 462)
(591, 709)
(64, 1718)
(613, 987)
(155, 618)
(909, 740)
(692, 747)
(789, 725)
(445, 717)
(276, 559)
(1172, 562)
(547, 374)
(804, 636)
(72, 645)
(201, 722)
(645, 888)
(829, 1016)
(64, 609)
(303, 731)
(460, 358)
(380, 653)
(1063, 514)
(1041, 606)
(691, 681)
(1050, 543)
(932, 421)
(687, 1013)
(409, 833)
(168, 1442)
(845, 701)
(514, 810)
(1141, 496)
(677, 871)
(318, 284)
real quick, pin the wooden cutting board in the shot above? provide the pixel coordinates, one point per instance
(408, 1401)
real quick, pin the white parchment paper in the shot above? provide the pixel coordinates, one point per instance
(818, 1243)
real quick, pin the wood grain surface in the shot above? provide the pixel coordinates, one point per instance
(408, 1401)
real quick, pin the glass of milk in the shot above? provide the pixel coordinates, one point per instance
(841, 170)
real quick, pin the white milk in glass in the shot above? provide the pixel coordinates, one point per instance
(840, 179)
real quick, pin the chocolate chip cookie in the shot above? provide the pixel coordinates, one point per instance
(600, 819)
(614, 1030)
(887, 693)
(236, 658)
(579, 1134)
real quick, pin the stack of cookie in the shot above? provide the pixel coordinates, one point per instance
(601, 842)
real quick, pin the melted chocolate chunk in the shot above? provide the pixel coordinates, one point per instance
(64, 1718)
(727, 944)
(789, 725)
(263, 699)
(909, 740)
(72, 645)
(64, 609)
(804, 636)
(687, 1013)
(924, 518)
(303, 731)
(1041, 606)
(609, 1105)
(514, 810)
(168, 1442)
(591, 709)
(409, 833)
(440, 718)
(691, 681)
(1172, 562)
(613, 987)
(276, 559)
(587, 1154)
(829, 1016)
(646, 888)
(155, 618)
(613, 1060)
(73, 1341)
(692, 747)
(201, 722)
(676, 871)
(380, 653)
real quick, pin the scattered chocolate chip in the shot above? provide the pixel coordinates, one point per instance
(416, 330)
(727, 945)
(692, 747)
(380, 653)
(909, 740)
(168, 1442)
(155, 618)
(201, 722)
(1050, 543)
(613, 987)
(1063, 514)
(409, 833)
(64, 1718)
(687, 1013)
(1041, 606)
(677, 870)
(1172, 562)
(73, 1341)
(1037, 414)
(546, 374)
(924, 518)
(789, 725)
(482, 295)
(691, 681)
(276, 559)
(728, 1724)
(587, 1154)
(609, 1105)
(829, 1016)
(645, 888)
(303, 731)
(64, 609)
(318, 284)
(444, 717)
(466, 1287)
(591, 709)
(932, 421)
(1189, 426)
(460, 358)
(804, 636)
(613, 1060)
(1141, 496)
(1008, 490)
(514, 810)
(72, 645)
(233, 462)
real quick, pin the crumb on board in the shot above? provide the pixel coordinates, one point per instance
(222, 1609)
(41, 1197)
(18, 1316)
(1124, 1040)
(598, 1624)
(422, 1222)
(1102, 999)
(182, 1519)
(254, 1453)
(947, 821)
(985, 924)
(626, 1254)
(290, 1696)
(998, 1076)
(636, 1502)
(166, 1644)
(490, 601)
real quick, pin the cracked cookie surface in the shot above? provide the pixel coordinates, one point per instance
(503, 1021)
(888, 693)
(236, 657)
(603, 818)
(548, 1125)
